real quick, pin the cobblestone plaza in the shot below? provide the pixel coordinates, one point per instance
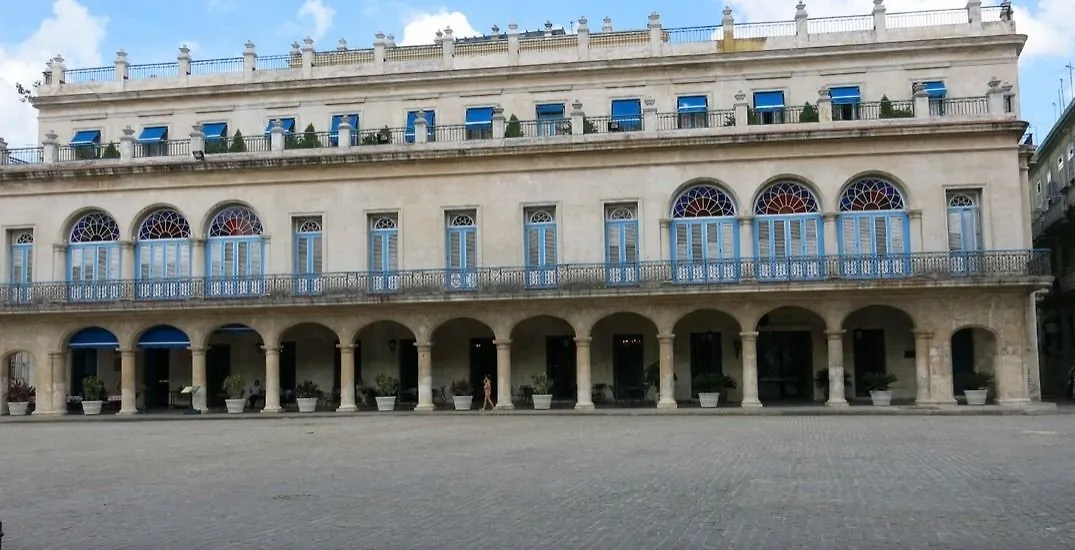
(493, 481)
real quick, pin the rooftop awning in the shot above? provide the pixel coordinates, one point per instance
(86, 137)
(153, 134)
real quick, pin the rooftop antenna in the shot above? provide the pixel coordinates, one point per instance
(1060, 92)
(1071, 79)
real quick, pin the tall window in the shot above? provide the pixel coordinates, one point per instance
(479, 123)
(235, 252)
(540, 231)
(845, 102)
(874, 229)
(21, 262)
(431, 126)
(692, 111)
(965, 229)
(84, 145)
(768, 107)
(334, 129)
(626, 115)
(551, 120)
(705, 236)
(307, 254)
(163, 255)
(384, 253)
(93, 258)
(216, 137)
(788, 241)
(153, 141)
(621, 244)
(462, 250)
(937, 92)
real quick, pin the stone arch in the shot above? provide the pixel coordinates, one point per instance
(234, 327)
(875, 337)
(142, 330)
(624, 348)
(544, 343)
(143, 215)
(463, 349)
(974, 348)
(804, 183)
(877, 175)
(707, 342)
(73, 218)
(704, 188)
(206, 226)
(791, 352)
(70, 333)
(392, 320)
(93, 225)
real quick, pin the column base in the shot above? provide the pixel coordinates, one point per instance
(347, 408)
(670, 404)
(47, 413)
(505, 407)
(424, 407)
(837, 404)
(951, 403)
(1024, 402)
(124, 412)
(204, 410)
(273, 410)
(584, 406)
(755, 404)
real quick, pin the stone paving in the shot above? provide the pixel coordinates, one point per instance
(505, 482)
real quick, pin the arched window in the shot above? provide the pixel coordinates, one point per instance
(788, 232)
(874, 229)
(965, 229)
(621, 244)
(462, 250)
(540, 230)
(307, 255)
(384, 253)
(162, 255)
(234, 253)
(93, 258)
(22, 257)
(705, 235)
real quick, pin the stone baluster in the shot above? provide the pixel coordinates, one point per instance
(122, 66)
(583, 38)
(879, 19)
(513, 43)
(308, 57)
(802, 25)
(656, 35)
(578, 119)
(378, 52)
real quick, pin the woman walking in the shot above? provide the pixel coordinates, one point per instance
(487, 387)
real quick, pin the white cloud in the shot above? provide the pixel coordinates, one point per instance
(321, 14)
(219, 6)
(422, 27)
(72, 31)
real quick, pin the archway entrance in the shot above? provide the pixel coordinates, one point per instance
(235, 349)
(164, 358)
(544, 345)
(94, 352)
(386, 348)
(880, 339)
(974, 351)
(463, 350)
(707, 343)
(624, 360)
(309, 353)
(791, 347)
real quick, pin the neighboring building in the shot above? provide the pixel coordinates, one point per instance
(1052, 174)
(579, 205)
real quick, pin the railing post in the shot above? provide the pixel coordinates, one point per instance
(197, 139)
(499, 122)
(606, 24)
(802, 24)
(974, 13)
(59, 70)
(308, 57)
(250, 60)
(728, 24)
(122, 66)
(183, 62)
(995, 97)
(378, 52)
(513, 43)
(50, 149)
(5, 156)
(583, 38)
(879, 22)
(656, 34)
(649, 115)
(742, 110)
(126, 144)
(276, 136)
(447, 47)
(921, 101)
(824, 105)
(343, 134)
(421, 128)
(578, 119)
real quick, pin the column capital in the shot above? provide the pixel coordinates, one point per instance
(583, 341)
(346, 347)
(196, 351)
(830, 216)
(127, 243)
(745, 336)
(926, 334)
(500, 344)
(915, 214)
(746, 219)
(270, 350)
(127, 351)
(835, 334)
(424, 346)
(59, 247)
(55, 353)
(199, 241)
(666, 337)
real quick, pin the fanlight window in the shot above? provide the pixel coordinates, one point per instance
(164, 224)
(95, 227)
(235, 221)
(703, 201)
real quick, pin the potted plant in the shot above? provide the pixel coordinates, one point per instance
(542, 388)
(306, 395)
(809, 113)
(976, 386)
(235, 388)
(238, 144)
(462, 394)
(879, 385)
(513, 129)
(19, 394)
(386, 388)
(92, 390)
(709, 386)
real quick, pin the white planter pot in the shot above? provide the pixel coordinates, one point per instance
(708, 400)
(881, 398)
(463, 402)
(91, 408)
(542, 401)
(976, 397)
(235, 406)
(18, 408)
(385, 404)
(306, 404)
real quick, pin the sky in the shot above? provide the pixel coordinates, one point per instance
(88, 32)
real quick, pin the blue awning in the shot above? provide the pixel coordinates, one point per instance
(86, 137)
(551, 110)
(768, 101)
(215, 130)
(155, 133)
(93, 338)
(164, 337)
(337, 119)
(627, 109)
(935, 88)
(693, 104)
(845, 95)
(287, 123)
(480, 116)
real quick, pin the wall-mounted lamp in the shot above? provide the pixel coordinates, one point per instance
(392, 345)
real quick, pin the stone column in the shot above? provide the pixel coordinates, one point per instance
(917, 231)
(43, 376)
(59, 384)
(59, 262)
(122, 66)
(277, 136)
(200, 398)
(1011, 380)
(649, 114)
(742, 108)
(582, 35)
(578, 119)
(425, 377)
(656, 34)
(343, 134)
(197, 266)
(836, 368)
(500, 124)
(667, 399)
(307, 58)
(126, 270)
(831, 243)
(802, 26)
(127, 382)
(921, 367)
(879, 19)
(921, 101)
(746, 241)
(824, 105)
(995, 97)
(50, 148)
(421, 127)
(750, 369)
(582, 374)
(272, 380)
(379, 46)
(250, 58)
(126, 144)
(503, 375)
(347, 378)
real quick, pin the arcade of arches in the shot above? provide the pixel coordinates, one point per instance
(804, 349)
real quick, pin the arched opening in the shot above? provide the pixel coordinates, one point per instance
(705, 235)
(94, 351)
(879, 339)
(162, 255)
(874, 229)
(544, 345)
(463, 351)
(235, 349)
(162, 369)
(386, 348)
(974, 352)
(707, 343)
(624, 360)
(789, 238)
(235, 252)
(309, 352)
(791, 354)
(93, 258)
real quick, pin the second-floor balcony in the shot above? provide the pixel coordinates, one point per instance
(1030, 267)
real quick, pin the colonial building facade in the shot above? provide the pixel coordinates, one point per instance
(794, 205)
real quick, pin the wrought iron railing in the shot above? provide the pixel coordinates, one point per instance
(989, 267)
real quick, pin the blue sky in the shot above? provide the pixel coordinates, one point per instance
(88, 32)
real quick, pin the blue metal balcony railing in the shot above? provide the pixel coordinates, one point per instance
(988, 267)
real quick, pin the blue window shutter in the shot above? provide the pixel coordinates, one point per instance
(480, 116)
(288, 124)
(153, 134)
(334, 127)
(935, 89)
(86, 137)
(693, 104)
(409, 135)
(550, 111)
(768, 101)
(627, 113)
(845, 95)
(431, 122)
(215, 130)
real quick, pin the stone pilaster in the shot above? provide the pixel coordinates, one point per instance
(582, 374)
(750, 369)
(272, 380)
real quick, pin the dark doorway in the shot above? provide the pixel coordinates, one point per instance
(482, 364)
(962, 357)
(560, 366)
(408, 371)
(785, 366)
(217, 368)
(868, 353)
(157, 377)
(83, 364)
(706, 354)
(628, 367)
